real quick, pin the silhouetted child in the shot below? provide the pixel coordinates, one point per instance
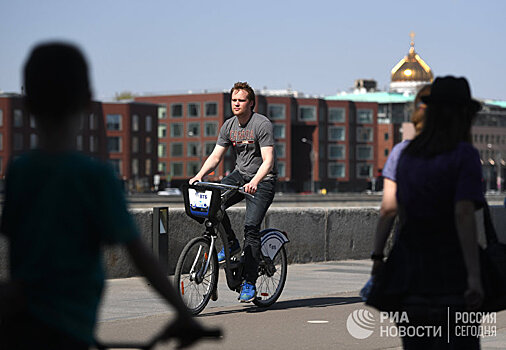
(60, 208)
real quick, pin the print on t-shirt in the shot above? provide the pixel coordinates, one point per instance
(242, 137)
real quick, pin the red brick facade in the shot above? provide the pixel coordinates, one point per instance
(327, 155)
(18, 133)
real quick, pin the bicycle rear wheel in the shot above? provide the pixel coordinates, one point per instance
(194, 282)
(271, 279)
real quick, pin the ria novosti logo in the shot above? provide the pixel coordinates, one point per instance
(360, 324)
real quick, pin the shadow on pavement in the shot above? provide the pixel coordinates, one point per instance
(291, 304)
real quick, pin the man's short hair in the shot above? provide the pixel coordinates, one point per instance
(245, 86)
(56, 80)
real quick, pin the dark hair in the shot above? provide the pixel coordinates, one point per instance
(245, 86)
(446, 125)
(56, 80)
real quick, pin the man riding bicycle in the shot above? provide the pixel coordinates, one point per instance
(251, 136)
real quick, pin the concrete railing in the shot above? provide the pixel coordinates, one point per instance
(316, 234)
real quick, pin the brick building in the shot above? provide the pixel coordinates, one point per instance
(131, 142)
(123, 133)
(319, 143)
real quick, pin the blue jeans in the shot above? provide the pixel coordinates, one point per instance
(255, 212)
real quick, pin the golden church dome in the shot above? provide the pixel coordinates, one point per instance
(412, 68)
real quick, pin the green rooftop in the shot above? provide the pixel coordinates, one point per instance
(390, 97)
(378, 97)
(501, 104)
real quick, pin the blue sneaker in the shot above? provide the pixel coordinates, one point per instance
(248, 292)
(235, 248)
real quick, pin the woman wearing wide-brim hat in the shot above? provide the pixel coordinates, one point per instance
(434, 264)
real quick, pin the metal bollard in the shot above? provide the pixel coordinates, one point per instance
(161, 236)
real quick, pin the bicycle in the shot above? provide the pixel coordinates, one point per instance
(197, 270)
(204, 333)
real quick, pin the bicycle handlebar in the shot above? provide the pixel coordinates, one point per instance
(223, 187)
(208, 333)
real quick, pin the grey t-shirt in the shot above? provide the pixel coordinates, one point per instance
(247, 141)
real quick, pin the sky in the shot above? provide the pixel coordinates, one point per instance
(318, 47)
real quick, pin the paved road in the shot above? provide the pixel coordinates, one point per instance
(311, 314)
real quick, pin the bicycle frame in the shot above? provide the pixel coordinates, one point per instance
(272, 239)
(233, 282)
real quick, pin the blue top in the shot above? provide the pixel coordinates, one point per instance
(390, 168)
(59, 209)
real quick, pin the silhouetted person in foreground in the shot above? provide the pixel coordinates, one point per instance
(60, 208)
(434, 263)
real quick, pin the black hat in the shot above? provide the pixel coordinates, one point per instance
(451, 90)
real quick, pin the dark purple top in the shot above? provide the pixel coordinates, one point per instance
(427, 257)
(429, 187)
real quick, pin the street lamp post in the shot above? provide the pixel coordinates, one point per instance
(199, 149)
(490, 164)
(499, 162)
(312, 159)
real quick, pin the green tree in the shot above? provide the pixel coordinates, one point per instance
(124, 95)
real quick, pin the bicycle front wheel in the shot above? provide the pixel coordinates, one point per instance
(271, 279)
(196, 274)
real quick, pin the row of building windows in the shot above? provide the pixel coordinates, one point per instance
(193, 149)
(492, 139)
(338, 170)
(306, 113)
(93, 143)
(210, 130)
(192, 168)
(274, 112)
(114, 144)
(338, 133)
(18, 120)
(193, 110)
(114, 122)
(335, 170)
(117, 165)
(193, 129)
(18, 140)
